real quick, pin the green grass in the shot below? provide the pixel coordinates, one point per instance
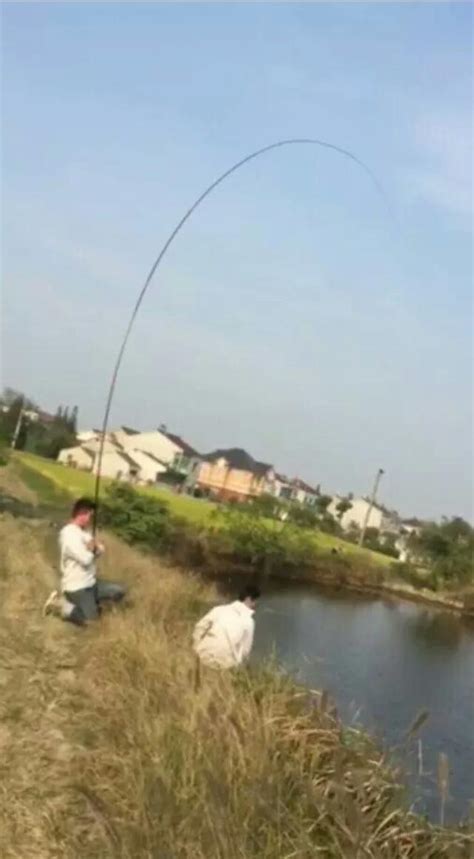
(76, 483)
(114, 745)
(327, 542)
(48, 491)
(197, 511)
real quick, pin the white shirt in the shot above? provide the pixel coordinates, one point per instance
(77, 561)
(224, 636)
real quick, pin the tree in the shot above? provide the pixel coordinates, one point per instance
(265, 505)
(10, 395)
(306, 517)
(48, 439)
(447, 549)
(322, 503)
(353, 532)
(343, 506)
(73, 420)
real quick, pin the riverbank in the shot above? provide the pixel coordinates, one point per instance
(114, 745)
(196, 512)
(224, 542)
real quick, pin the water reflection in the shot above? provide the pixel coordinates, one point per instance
(433, 629)
(383, 662)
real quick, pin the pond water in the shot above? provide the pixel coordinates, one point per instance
(382, 663)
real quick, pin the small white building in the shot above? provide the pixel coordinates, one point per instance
(356, 515)
(154, 442)
(141, 457)
(94, 445)
(117, 465)
(84, 436)
(292, 490)
(302, 493)
(149, 466)
(279, 485)
(77, 457)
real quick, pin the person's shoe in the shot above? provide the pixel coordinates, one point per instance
(52, 605)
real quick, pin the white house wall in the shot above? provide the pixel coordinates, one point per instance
(356, 515)
(114, 466)
(152, 442)
(149, 468)
(76, 457)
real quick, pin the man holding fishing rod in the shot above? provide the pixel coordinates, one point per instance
(82, 593)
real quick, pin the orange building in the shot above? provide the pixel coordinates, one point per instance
(232, 475)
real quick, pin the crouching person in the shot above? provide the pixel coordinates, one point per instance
(82, 592)
(224, 636)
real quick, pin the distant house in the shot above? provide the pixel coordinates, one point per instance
(294, 490)
(149, 467)
(94, 445)
(141, 457)
(123, 436)
(186, 457)
(155, 442)
(230, 474)
(77, 457)
(279, 486)
(380, 518)
(411, 526)
(83, 436)
(117, 465)
(303, 493)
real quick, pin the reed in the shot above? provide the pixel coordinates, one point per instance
(114, 745)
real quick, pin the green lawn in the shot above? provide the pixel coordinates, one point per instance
(77, 483)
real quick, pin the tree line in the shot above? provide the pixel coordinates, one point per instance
(37, 432)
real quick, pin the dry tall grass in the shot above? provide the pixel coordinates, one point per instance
(11, 484)
(113, 746)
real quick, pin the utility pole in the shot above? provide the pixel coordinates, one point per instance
(16, 432)
(379, 474)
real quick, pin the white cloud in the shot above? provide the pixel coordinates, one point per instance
(444, 175)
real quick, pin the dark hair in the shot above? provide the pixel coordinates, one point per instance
(83, 505)
(251, 592)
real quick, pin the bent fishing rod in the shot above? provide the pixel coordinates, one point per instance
(305, 141)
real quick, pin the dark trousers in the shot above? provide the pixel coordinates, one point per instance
(87, 601)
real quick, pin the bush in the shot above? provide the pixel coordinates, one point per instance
(448, 549)
(135, 517)
(416, 577)
(306, 517)
(264, 505)
(263, 545)
(329, 525)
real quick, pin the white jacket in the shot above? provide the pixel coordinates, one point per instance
(224, 636)
(77, 561)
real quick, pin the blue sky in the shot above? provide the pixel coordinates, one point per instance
(293, 316)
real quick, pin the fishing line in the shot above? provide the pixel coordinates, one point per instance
(291, 142)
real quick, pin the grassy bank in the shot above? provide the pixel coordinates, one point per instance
(196, 511)
(233, 540)
(113, 746)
